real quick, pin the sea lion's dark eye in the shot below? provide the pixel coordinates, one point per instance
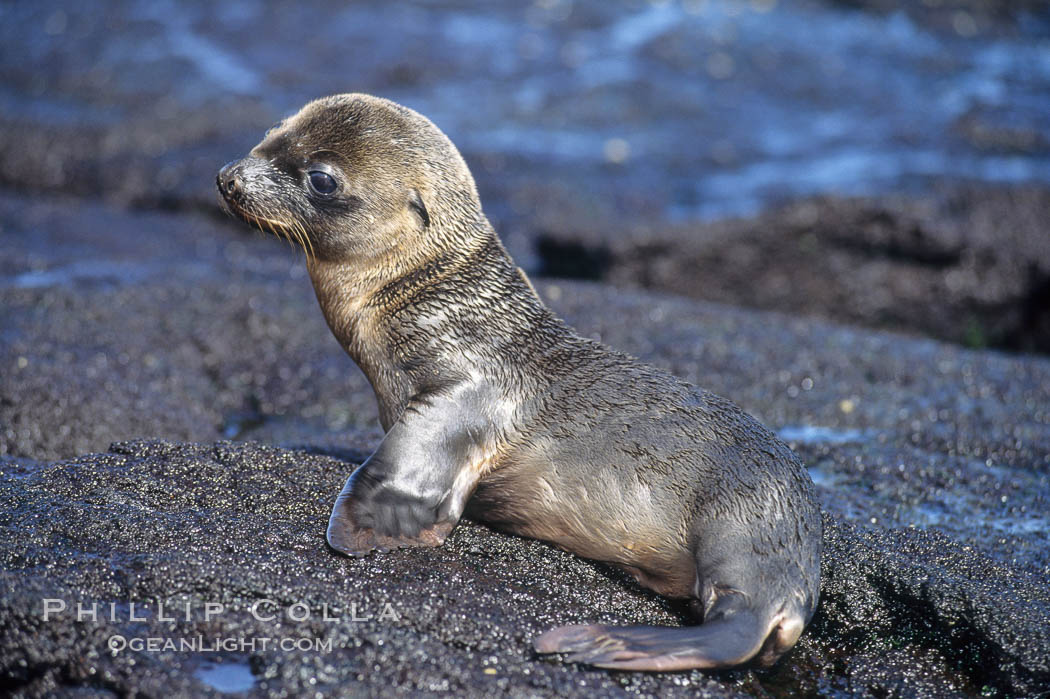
(322, 182)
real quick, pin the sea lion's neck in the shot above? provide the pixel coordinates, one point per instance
(403, 325)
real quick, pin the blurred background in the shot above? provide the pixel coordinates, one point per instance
(880, 162)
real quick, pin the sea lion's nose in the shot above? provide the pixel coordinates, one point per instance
(228, 179)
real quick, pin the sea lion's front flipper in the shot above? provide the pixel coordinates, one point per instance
(412, 490)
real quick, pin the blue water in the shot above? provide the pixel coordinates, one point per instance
(812, 434)
(226, 677)
(693, 109)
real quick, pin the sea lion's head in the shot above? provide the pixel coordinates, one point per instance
(355, 178)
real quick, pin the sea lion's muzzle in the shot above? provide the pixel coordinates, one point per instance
(229, 178)
(236, 183)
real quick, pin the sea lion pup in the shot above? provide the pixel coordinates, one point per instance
(496, 409)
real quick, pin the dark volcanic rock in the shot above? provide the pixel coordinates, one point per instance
(160, 324)
(165, 525)
(912, 612)
(970, 265)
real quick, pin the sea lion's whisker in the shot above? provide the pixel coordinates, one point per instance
(306, 237)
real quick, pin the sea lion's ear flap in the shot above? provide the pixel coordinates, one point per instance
(415, 200)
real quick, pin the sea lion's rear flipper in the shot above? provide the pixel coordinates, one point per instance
(732, 634)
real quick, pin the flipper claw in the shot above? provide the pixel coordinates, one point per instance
(351, 540)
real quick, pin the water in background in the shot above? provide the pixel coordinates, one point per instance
(691, 110)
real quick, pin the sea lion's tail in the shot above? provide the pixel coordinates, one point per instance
(732, 634)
